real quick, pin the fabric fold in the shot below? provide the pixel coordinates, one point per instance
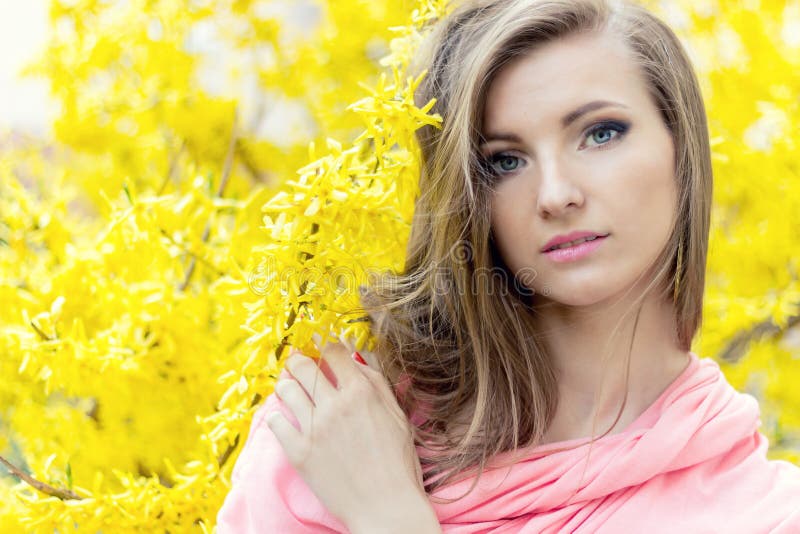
(694, 461)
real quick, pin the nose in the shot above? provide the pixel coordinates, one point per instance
(558, 192)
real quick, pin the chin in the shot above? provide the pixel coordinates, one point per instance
(575, 300)
(585, 294)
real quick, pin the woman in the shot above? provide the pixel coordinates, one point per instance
(561, 395)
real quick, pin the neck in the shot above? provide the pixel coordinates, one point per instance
(591, 369)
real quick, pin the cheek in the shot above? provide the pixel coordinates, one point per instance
(505, 222)
(505, 213)
(647, 168)
(650, 191)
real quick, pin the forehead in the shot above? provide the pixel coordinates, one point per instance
(559, 76)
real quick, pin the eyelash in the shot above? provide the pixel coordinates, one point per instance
(620, 127)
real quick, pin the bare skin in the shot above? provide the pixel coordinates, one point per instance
(554, 179)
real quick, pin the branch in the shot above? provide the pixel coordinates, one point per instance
(249, 163)
(736, 348)
(304, 256)
(227, 452)
(173, 168)
(41, 333)
(63, 494)
(195, 256)
(226, 173)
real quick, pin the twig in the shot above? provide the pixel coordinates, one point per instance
(226, 173)
(61, 493)
(249, 163)
(39, 331)
(173, 167)
(227, 452)
(192, 254)
(736, 348)
(304, 256)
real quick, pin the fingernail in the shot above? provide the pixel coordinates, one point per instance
(357, 357)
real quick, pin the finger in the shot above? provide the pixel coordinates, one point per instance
(342, 338)
(286, 434)
(369, 357)
(295, 399)
(372, 370)
(306, 371)
(338, 358)
(376, 377)
(385, 392)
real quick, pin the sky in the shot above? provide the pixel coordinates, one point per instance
(24, 102)
(25, 105)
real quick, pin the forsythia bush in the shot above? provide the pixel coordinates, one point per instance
(159, 256)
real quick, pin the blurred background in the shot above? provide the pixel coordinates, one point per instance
(25, 106)
(154, 154)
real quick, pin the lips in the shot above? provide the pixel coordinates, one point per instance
(572, 253)
(572, 236)
(573, 243)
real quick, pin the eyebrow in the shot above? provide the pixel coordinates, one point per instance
(568, 119)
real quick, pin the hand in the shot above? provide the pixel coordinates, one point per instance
(354, 448)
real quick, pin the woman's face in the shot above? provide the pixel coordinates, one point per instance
(566, 163)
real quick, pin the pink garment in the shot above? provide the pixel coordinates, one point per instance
(693, 462)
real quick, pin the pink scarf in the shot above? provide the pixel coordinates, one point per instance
(693, 462)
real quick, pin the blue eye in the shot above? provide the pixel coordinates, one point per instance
(606, 128)
(504, 163)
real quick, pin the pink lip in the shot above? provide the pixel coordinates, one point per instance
(575, 252)
(572, 236)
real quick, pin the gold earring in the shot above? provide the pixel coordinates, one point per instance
(678, 271)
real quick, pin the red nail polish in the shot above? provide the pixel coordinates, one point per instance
(357, 357)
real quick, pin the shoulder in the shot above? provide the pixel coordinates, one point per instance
(782, 501)
(760, 493)
(261, 447)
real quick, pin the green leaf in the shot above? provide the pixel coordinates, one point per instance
(127, 193)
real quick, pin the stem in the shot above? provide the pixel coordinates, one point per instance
(194, 256)
(63, 494)
(173, 167)
(305, 256)
(736, 348)
(39, 331)
(226, 173)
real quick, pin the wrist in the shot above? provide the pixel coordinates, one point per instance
(412, 514)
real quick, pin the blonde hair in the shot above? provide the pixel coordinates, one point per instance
(458, 343)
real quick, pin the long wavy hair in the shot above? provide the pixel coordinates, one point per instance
(459, 342)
